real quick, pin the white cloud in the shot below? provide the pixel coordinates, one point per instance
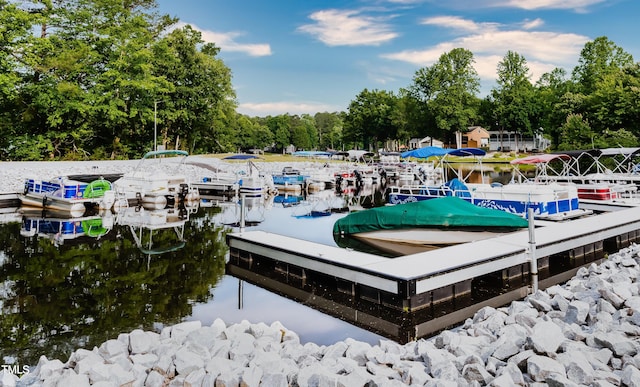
(458, 23)
(575, 5)
(578, 5)
(283, 107)
(348, 28)
(531, 24)
(227, 42)
(543, 51)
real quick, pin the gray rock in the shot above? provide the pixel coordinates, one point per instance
(242, 347)
(630, 376)
(142, 342)
(155, 379)
(541, 306)
(611, 297)
(520, 359)
(476, 373)
(180, 331)
(70, 378)
(147, 360)
(415, 375)
(633, 302)
(540, 368)
(112, 348)
(577, 366)
(556, 380)
(228, 378)
(616, 342)
(559, 303)
(546, 337)
(86, 361)
(512, 371)
(577, 312)
(445, 370)
(187, 361)
(250, 376)
(335, 350)
(357, 351)
(274, 379)
(315, 376)
(204, 336)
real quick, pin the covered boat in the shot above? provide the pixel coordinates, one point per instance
(424, 225)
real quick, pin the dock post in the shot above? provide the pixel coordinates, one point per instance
(532, 252)
(242, 211)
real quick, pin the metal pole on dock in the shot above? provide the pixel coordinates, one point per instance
(532, 251)
(242, 211)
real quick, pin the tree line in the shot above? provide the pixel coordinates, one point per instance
(97, 79)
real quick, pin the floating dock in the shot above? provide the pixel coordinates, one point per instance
(428, 283)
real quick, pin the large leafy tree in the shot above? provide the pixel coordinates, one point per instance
(94, 77)
(549, 91)
(15, 39)
(329, 127)
(371, 117)
(599, 58)
(92, 71)
(513, 98)
(201, 88)
(449, 88)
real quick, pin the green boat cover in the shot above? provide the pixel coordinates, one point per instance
(445, 212)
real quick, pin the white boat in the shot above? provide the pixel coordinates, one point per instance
(59, 227)
(551, 201)
(232, 181)
(425, 225)
(72, 194)
(145, 225)
(157, 180)
(597, 189)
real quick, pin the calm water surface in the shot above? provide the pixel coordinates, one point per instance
(61, 291)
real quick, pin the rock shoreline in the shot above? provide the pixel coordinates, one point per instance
(582, 333)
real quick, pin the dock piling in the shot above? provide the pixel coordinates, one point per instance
(532, 252)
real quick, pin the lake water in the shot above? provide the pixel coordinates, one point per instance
(61, 291)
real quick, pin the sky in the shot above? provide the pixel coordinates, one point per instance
(309, 56)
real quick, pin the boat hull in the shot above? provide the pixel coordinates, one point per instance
(412, 241)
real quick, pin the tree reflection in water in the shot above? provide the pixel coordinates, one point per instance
(57, 297)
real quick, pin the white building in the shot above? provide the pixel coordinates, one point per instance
(417, 143)
(508, 141)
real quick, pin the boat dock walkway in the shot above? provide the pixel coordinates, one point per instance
(413, 282)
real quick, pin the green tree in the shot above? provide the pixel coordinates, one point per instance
(201, 94)
(280, 126)
(514, 107)
(598, 59)
(329, 126)
(576, 133)
(549, 91)
(371, 118)
(449, 88)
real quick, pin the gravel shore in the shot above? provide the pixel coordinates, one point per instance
(582, 333)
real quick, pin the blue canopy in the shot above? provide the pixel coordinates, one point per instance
(467, 152)
(425, 153)
(240, 157)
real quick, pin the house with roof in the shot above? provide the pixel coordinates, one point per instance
(474, 137)
(417, 143)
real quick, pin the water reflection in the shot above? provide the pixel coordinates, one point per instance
(74, 283)
(65, 287)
